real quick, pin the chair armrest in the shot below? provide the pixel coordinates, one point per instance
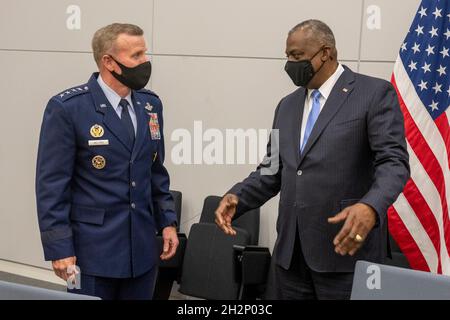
(252, 265)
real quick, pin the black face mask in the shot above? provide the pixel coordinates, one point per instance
(134, 78)
(301, 72)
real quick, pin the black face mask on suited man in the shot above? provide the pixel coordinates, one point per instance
(134, 78)
(301, 72)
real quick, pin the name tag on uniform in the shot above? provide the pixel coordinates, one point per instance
(96, 143)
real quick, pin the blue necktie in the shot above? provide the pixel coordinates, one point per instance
(126, 119)
(312, 118)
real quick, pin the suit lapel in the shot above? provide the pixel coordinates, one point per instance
(338, 96)
(296, 122)
(142, 125)
(110, 118)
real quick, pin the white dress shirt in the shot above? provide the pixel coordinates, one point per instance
(325, 91)
(114, 100)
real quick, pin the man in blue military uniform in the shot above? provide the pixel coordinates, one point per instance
(101, 187)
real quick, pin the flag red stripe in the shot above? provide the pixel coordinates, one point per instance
(406, 242)
(444, 129)
(425, 216)
(428, 160)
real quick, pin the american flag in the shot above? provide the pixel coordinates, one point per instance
(419, 220)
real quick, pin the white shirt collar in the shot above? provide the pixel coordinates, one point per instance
(111, 95)
(328, 85)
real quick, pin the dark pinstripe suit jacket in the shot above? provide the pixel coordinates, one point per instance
(356, 153)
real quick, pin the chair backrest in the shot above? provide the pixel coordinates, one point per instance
(250, 221)
(381, 282)
(177, 198)
(209, 269)
(14, 291)
(210, 205)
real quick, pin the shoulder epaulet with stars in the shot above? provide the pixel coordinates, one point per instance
(73, 92)
(148, 92)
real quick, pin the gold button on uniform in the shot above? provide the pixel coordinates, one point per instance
(98, 162)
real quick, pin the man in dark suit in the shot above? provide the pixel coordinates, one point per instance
(341, 161)
(101, 187)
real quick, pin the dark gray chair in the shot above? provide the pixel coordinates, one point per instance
(250, 221)
(178, 199)
(219, 266)
(252, 265)
(209, 269)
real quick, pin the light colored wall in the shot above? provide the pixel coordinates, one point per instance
(216, 61)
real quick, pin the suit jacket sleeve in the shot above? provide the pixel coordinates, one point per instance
(55, 163)
(263, 183)
(386, 134)
(163, 204)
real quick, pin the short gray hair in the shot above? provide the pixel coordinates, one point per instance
(317, 30)
(104, 39)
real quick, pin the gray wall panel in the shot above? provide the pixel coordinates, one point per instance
(43, 24)
(381, 70)
(251, 28)
(396, 17)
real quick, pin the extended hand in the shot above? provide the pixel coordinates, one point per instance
(170, 243)
(225, 212)
(359, 220)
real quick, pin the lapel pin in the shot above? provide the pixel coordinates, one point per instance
(103, 106)
(345, 90)
(148, 107)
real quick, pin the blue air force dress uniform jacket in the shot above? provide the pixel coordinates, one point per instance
(100, 197)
